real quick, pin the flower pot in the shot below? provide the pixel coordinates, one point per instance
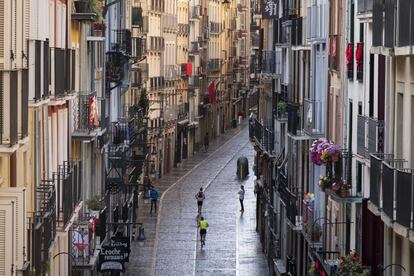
(344, 192)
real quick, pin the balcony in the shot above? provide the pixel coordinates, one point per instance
(115, 66)
(68, 183)
(169, 22)
(215, 28)
(383, 24)
(43, 226)
(123, 42)
(139, 75)
(262, 136)
(346, 192)
(404, 25)
(83, 11)
(87, 116)
(289, 199)
(157, 6)
(313, 114)
(155, 43)
(370, 136)
(194, 82)
(296, 35)
(171, 72)
(194, 48)
(138, 48)
(293, 114)
(364, 6)
(254, 41)
(334, 52)
(391, 186)
(268, 63)
(195, 12)
(214, 65)
(183, 29)
(182, 112)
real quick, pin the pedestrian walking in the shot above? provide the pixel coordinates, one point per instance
(203, 231)
(206, 140)
(154, 194)
(200, 198)
(241, 198)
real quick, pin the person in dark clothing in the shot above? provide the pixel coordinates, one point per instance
(206, 142)
(154, 194)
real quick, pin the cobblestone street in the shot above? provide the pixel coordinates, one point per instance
(232, 246)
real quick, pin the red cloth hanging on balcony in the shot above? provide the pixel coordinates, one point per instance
(189, 69)
(349, 56)
(212, 92)
(359, 54)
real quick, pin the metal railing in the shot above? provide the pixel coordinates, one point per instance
(361, 131)
(262, 135)
(294, 118)
(215, 28)
(214, 64)
(123, 41)
(194, 47)
(86, 115)
(268, 62)
(171, 72)
(155, 43)
(195, 12)
(364, 6)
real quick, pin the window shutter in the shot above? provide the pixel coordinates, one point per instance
(26, 27)
(1, 108)
(1, 35)
(2, 242)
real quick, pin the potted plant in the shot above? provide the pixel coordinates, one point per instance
(325, 182)
(95, 204)
(323, 151)
(281, 109)
(313, 230)
(96, 7)
(350, 265)
(312, 270)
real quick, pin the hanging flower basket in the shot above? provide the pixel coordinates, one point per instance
(351, 265)
(325, 182)
(323, 151)
(309, 198)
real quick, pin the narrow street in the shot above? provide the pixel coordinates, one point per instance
(232, 244)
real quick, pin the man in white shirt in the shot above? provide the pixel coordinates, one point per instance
(241, 197)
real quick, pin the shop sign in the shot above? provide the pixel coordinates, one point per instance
(125, 243)
(268, 9)
(112, 258)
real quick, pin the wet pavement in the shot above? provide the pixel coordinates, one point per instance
(172, 245)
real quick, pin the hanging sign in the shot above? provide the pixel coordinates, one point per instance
(268, 9)
(112, 258)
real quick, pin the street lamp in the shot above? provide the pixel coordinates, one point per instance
(154, 151)
(152, 172)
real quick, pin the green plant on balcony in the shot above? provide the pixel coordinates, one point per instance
(325, 182)
(351, 265)
(113, 71)
(95, 203)
(313, 231)
(312, 270)
(96, 6)
(281, 109)
(143, 101)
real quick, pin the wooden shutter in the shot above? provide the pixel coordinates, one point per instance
(1, 35)
(26, 30)
(2, 241)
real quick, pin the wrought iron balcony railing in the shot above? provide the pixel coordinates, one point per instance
(268, 62)
(214, 64)
(195, 12)
(262, 136)
(183, 29)
(123, 42)
(155, 43)
(370, 136)
(194, 47)
(294, 118)
(87, 116)
(171, 72)
(215, 28)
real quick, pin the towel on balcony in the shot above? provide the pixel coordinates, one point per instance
(359, 54)
(212, 92)
(349, 56)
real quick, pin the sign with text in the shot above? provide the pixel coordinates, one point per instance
(268, 9)
(112, 258)
(125, 243)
